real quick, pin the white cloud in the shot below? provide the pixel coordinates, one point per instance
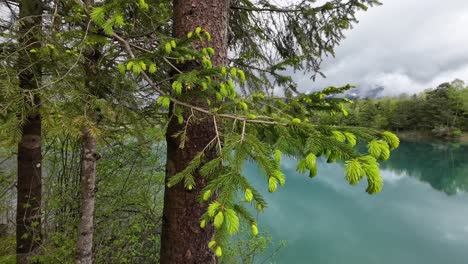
(405, 46)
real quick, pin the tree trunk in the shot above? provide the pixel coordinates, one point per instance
(28, 210)
(89, 157)
(182, 239)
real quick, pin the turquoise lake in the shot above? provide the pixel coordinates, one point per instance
(421, 216)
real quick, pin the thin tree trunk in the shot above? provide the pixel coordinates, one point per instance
(28, 210)
(88, 185)
(182, 239)
(89, 157)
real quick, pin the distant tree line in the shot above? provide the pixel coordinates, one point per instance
(441, 112)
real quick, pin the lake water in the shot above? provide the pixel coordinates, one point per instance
(421, 216)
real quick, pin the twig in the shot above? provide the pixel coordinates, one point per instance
(217, 134)
(243, 132)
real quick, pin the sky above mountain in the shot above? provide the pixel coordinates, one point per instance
(405, 46)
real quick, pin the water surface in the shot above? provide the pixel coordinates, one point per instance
(421, 216)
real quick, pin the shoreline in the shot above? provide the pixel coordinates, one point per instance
(424, 135)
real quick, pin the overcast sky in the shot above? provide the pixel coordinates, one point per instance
(405, 46)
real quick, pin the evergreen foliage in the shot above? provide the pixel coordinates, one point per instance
(141, 79)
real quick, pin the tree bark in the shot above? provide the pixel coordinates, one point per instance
(28, 210)
(89, 157)
(182, 239)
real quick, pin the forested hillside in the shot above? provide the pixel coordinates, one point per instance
(440, 111)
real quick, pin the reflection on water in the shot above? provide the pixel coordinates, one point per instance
(443, 166)
(413, 220)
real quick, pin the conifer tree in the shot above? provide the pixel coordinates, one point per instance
(217, 70)
(28, 214)
(182, 238)
(222, 111)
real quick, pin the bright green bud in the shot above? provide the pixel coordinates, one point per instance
(121, 68)
(152, 68)
(206, 195)
(243, 105)
(254, 229)
(218, 220)
(218, 251)
(212, 244)
(259, 207)
(272, 184)
(296, 120)
(168, 48)
(248, 195)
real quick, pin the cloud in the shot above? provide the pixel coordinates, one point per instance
(404, 46)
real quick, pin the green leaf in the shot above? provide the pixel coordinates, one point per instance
(118, 20)
(219, 219)
(208, 38)
(206, 195)
(233, 72)
(130, 65)
(277, 155)
(143, 5)
(243, 105)
(98, 15)
(231, 221)
(313, 172)
(164, 101)
(168, 48)
(392, 140)
(211, 244)
(152, 68)
(142, 65)
(241, 76)
(177, 86)
(272, 184)
(218, 251)
(248, 195)
(351, 138)
(136, 68)
(280, 177)
(210, 50)
(354, 171)
(219, 97)
(222, 90)
(254, 229)
(213, 208)
(296, 121)
(374, 149)
(107, 27)
(301, 166)
(339, 136)
(310, 161)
